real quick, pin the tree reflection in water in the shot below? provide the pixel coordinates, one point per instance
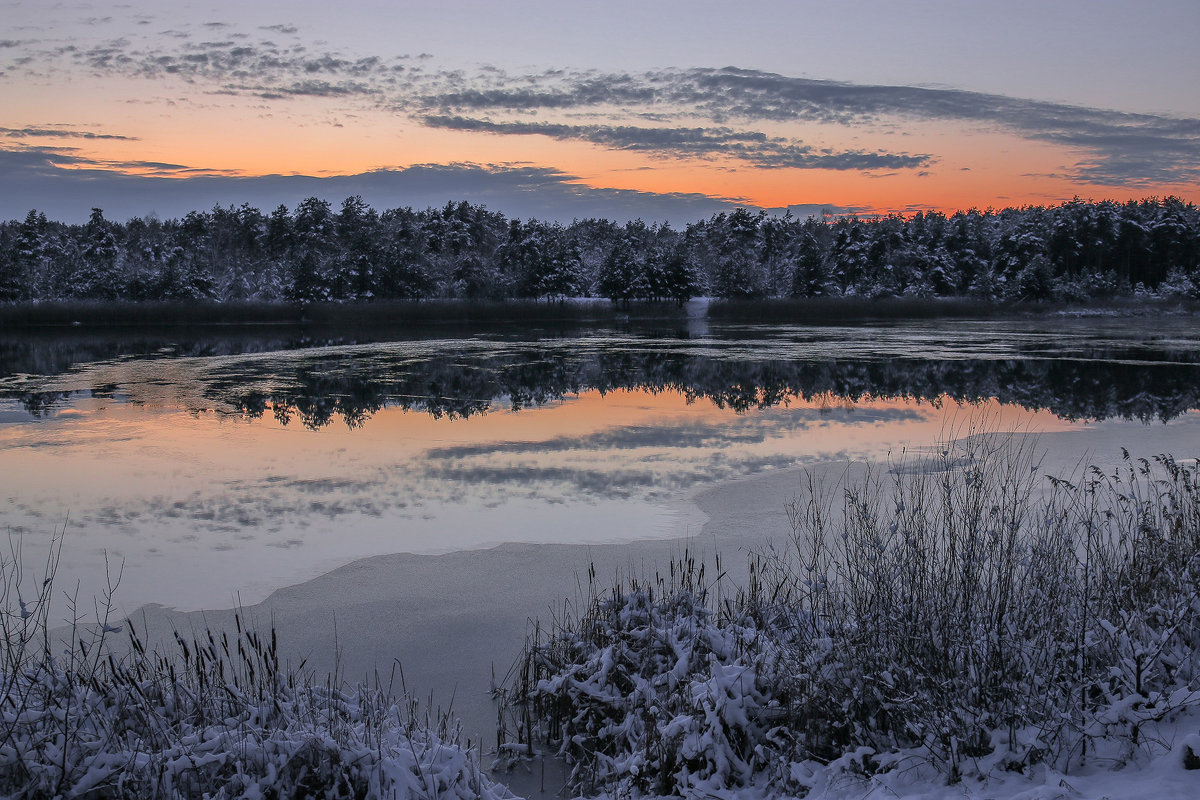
(462, 378)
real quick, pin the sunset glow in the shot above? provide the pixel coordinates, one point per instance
(869, 109)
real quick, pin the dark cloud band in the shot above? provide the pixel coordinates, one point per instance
(1123, 147)
(66, 184)
(60, 133)
(752, 146)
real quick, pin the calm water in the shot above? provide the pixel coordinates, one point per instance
(214, 468)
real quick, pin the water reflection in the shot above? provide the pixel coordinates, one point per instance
(1073, 376)
(242, 469)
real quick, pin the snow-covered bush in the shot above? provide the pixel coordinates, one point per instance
(653, 689)
(219, 719)
(962, 611)
(1179, 285)
(1089, 286)
(954, 608)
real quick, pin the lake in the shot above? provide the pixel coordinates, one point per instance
(211, 468)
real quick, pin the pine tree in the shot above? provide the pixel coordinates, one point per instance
(358, 232)
(564, 277)
(11, 274)
(97, 276)
(24, 261)
(680, 277)
(404, 270)
(314, 244)
(279, 236)
(739, 270)
(621, 276)
(1035, 281)
(809, 275)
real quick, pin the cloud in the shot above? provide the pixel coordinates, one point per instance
(614, 483)
(630, 438)
(703, 112)
(1117, 147)
(66, 184)
(702, 436)
(60, 133)
(545, 92)
(750, 146)
(309, 88)
(50, 162)
(248, 66)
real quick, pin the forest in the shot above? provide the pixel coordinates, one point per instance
(1076, 251)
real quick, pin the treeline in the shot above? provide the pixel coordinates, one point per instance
(1078, 250)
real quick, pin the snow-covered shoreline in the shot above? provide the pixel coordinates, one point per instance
(727, 518)
(953, 627)
(453, 620)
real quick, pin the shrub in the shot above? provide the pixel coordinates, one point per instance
(960, 611)
(218, 718)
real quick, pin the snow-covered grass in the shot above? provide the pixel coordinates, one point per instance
(960, 619)
(840, 309)
(352, 315)
(217, 717)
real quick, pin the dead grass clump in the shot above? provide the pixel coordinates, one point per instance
(960, 611)
(218, 716)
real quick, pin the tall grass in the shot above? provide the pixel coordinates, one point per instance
(837, 310)
(385, 313)
(100, 313)
(826, 310)
(959, 611)
(216, 716)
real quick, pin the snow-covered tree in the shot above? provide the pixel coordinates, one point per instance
(679, 275)
(622, 277)
(739, 271)
(562, 274)
(97, 276)
(810, 273)
(1091, 249)
(315, 233)
(353, 271)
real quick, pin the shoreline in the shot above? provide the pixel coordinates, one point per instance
(445, 624)
(447, 621)
(442, 627)
(414, 315)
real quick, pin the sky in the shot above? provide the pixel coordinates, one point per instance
(664, 110)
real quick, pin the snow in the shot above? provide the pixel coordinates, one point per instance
(1160, 777)
(1081, 681)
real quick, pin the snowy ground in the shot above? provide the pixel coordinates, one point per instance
(452, 620)
(1164, 777)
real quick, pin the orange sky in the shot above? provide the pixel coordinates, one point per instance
(928, 107)
(969, 171)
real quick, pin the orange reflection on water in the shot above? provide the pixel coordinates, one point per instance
(200, 505)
